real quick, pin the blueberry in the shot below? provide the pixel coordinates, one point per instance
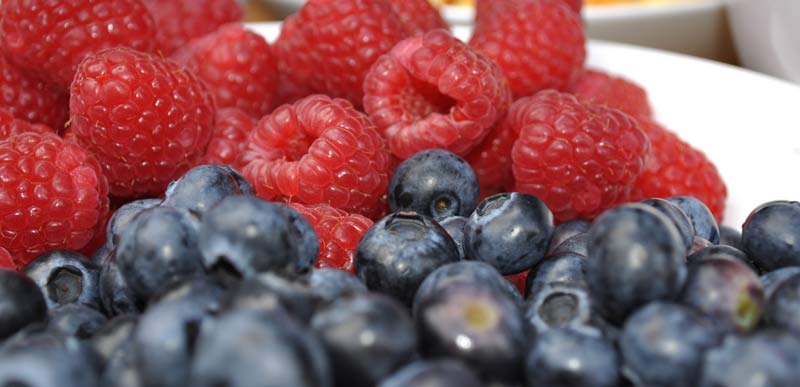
(477, 325)
(765, 358)
(727, 291)
(783, 306)
(567, 230)
(770, 235)
(560, 306)
(21, 302)
(663, 344)
(76, 320)
(66, 277)
(396, 254)
(330, 284)
(771, 280)
(117, 297)
(204, 186)
(245, 235)
(252, 294)
(454, 225)
(678, 217)
(47, 361)
(509, 231)
(724, 252)
(635, 256)
(564, 268)
(470, 272)
(159, 246)
(730, 236)
(435, 183)
(432, 373)
(113, 336)
(568, 358)
(308, 244)
(576, 244)
(698, 244)
(122, 218)
(248, 348)
(261, 292)
(121, 370)
(705, 226)
(367, 337)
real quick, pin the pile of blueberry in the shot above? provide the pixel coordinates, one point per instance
(212, 286)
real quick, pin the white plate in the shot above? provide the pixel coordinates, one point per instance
(744, 121)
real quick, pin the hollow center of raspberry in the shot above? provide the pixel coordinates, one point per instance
(424, 99)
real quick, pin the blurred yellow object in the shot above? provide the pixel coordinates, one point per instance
(439, 3)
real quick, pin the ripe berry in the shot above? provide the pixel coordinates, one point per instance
(434, 91)
(454, 225)
(560, 306)
(31, 99)
(21, 302)
(769, 234)
(333, 284)
(123, 216)
(766, 358)
(491, 159)
(66, 277)
(703, 222)
(434, 372)
(10, 126)
(75, 320)
(773, 279)
(144, 118)
(601, 88)
(565, 357)
(783, 305)
(179, 21)
(229, 138)
(52, 196)
(202, 187)
(679, 218)
(418, 16)
(50, 38)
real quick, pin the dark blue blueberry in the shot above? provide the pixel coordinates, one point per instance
(567, 230)
(268, 292)
(159, 246)
(635, 256)
(115, 335)
(45, 360)
(244, 235)
(66, 277)
(564, 268)
(396, 254)
(783, 306)
(76, 320)
(308, 244)
(469, 272)
(247, 348)
(454, 225)
(477, 325)
(698, 244)
(770, 235)
(576, 244)
(436, 183)
(329, 284)
(205, 291)
(101, 254)
(678, 217)
(560, 306)
(765, 358)
(122, 218)
(771, 280)
(432, 373)
(117, 297)
(21, 302)
(663, 344)
(367, 337)
(165, 339)
(727, 291)
(705, 226)
(509, 231)
(730, 236)
(121, 370)
(723, 252)
(568, 358)
(202, 187)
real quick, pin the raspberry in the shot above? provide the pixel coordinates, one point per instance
(579, 158)
(675, 168)
(52, 195)
(6, 262)
(328, 46)
(338, 233)
(318, 150)
(146, 119)
(575, 5)
(538, 44)
(229, 140)
(179, 21)
(418, 16)
(518, 280)
(236, 65)
(10, 126)
(31, 99)
(491, 159)
(601, 88)
(50, 38)
(409, 94)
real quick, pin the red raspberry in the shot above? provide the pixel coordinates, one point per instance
(338, 232)
(179, 21)
(318, 150)
(229, 139)
(491, 159)
(409, 94)
(237, 66)
(539, 44)
(518, 280)
(580, 159)
(50, 38)
(146, 119)
(31, 99)
(418, 16)
(601, 88)
(52, 195)
(10, 126)
(328, 46)
(6, 261)
(575, 5)
(675, 168)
